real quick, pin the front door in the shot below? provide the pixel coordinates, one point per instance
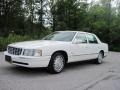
(79, 48)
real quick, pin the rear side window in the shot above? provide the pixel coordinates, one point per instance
(92, 39)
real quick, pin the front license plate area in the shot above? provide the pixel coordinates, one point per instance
(8, 58)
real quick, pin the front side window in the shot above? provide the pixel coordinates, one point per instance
(92, 39)
(81, 38)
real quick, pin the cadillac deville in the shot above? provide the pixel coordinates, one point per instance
(56, 50)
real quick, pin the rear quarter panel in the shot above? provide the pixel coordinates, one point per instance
(104, 47)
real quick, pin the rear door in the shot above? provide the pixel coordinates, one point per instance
(93, 46)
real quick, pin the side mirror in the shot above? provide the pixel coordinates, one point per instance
(77, 41)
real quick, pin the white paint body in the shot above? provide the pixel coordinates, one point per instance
(75, 52)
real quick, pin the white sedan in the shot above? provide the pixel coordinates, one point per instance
(57, 49)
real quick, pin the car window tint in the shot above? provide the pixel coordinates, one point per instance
(60, 36)
(92, 38)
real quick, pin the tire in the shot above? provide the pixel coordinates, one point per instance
(57, 63)
(99, 60)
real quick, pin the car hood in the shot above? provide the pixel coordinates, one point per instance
(36, 43)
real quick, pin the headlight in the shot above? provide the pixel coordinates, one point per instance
(29, 52)
(38, 52)
(32, 52)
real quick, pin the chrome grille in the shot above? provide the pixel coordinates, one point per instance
(14, 51)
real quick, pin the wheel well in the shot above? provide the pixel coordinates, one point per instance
(102, 52)
(63, 53)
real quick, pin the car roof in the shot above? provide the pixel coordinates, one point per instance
(75, 31)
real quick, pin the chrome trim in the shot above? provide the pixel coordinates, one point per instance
(14, 50)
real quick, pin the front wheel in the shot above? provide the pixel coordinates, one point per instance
(99, 60)
(57, 63)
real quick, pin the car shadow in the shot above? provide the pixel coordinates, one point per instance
(80, 64)
(28, 71)
(43, 71)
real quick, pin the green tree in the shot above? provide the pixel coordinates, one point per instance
(68, 14)
(100, 18)
(11, 16)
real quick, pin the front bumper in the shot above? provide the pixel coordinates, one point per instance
(29, 61)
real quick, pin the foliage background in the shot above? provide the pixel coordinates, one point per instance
(22, 20)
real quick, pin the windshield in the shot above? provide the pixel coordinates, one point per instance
(60, 36)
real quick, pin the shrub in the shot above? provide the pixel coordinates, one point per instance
(4, 41)
(12, 38)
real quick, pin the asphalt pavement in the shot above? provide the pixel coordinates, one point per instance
(76, 76)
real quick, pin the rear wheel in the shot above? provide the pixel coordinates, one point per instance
(57, 63)
(99, 60)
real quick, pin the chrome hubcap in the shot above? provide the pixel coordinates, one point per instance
(59, 63)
